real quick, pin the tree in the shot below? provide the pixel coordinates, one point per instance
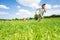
(30, 18)
(16, 19)
(36, 16)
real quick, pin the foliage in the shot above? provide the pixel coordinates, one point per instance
(46, 29)
(36, 16)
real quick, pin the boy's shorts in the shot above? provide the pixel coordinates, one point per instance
(40, 16)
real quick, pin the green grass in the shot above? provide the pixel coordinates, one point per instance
(47, 29)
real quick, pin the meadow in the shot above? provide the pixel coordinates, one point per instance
(46, 29)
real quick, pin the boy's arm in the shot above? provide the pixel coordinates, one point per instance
(44, 10)
(36, 10)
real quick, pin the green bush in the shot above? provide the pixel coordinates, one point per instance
(36, 16)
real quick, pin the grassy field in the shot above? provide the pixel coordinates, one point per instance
(47, 29)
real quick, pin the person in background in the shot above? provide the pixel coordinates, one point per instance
(41, 12)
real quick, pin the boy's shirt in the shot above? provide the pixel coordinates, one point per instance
(40, 11)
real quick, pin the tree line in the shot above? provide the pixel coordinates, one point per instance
(35, 17)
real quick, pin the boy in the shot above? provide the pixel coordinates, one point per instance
(41, 12)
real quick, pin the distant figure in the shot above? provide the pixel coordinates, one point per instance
(41, 12)
(25, 19)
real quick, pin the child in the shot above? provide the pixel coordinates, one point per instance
(41, 12)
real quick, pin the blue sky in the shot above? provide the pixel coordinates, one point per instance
(25, 8)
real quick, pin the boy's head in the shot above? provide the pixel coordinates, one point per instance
(43, 6)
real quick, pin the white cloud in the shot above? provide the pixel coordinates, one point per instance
(56, 6)
(4, 13)
(35, 6)
(4, 7)
(18, 6)
(48, 6)
(57, 12)
(29, 3)
(48, 13)
(24, 13)
(52, 12)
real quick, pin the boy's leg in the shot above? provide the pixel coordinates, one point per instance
(39, 18)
